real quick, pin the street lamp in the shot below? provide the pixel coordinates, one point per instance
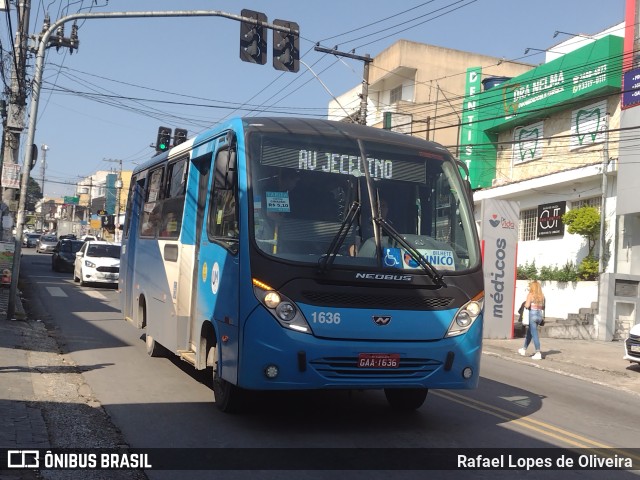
(558, 32)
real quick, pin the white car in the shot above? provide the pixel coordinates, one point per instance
(97, 262)
(632, 345)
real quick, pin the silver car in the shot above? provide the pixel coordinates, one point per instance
(46, 244)
(632, 345)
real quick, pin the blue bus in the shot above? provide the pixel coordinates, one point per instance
(289, 254)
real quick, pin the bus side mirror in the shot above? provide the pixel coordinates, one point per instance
(226, 165)
(466, 181)
(225, 173)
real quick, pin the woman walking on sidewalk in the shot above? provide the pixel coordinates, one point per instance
(535, 304)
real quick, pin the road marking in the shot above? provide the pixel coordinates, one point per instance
(537, 426)
(56, 292)
(94, 294)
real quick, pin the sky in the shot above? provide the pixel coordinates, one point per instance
(104, 103)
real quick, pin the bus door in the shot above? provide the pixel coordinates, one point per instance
(129, 247)
(218, 257)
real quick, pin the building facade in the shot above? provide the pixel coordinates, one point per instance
(547, 137)
(418, 89)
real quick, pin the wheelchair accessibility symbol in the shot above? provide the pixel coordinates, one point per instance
(392, 257)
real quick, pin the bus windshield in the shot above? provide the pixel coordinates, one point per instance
(310, 199)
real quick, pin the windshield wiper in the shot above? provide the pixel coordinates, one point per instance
(415, 254)
(327, 259)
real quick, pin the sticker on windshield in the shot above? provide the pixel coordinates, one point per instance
(441, 259)
(277, 201)
(400, 258)
(392, 257)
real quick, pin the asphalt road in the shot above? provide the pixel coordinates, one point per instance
(162, 402)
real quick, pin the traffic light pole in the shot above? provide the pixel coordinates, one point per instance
(43, 43)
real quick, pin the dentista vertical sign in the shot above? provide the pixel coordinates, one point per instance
(499, 260)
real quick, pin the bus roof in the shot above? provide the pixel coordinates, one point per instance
(301, 126)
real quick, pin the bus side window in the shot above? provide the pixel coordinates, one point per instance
(152, 210)
(174, 196)
(136, 195)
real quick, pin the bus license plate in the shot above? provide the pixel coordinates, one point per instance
(379, 360)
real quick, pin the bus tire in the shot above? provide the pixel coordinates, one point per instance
(406, 398)
(228, 397)
(154, 349)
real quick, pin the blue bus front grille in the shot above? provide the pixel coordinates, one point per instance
(347, 368)
(377, 300)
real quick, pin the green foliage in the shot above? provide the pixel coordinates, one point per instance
(567, 273)
(584, 221)
(527, 272)
(588, 268)
(34, 194)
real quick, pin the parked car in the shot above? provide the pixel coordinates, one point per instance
(632, 344)
(64, 255)
(97, 261)
(30, 240)
(46, 243)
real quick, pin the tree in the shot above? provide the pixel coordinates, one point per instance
(33, 195)
(585, 221)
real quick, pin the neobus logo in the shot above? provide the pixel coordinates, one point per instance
(382, 276)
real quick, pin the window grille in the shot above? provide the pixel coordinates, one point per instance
(528, 225)
(396, 94)
(587, 202)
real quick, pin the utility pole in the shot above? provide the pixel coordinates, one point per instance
(43, 166)
(17, 99)
(118, 186)
(362, 116)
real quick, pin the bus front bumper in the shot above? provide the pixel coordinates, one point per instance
(275, 358)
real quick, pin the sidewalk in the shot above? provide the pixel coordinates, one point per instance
(23, 423)
(590, 360)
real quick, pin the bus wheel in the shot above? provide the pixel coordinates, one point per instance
(228, 397)
(154, 349)
(406, 398)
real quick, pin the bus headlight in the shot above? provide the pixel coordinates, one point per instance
(466, 315)
(286, 311)
(283, 309)
(272, 299)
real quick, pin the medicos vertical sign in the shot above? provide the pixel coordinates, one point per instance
(499, 236)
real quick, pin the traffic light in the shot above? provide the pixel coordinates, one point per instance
(253, 43)
(286, 47)
(179, 136)
(164, 139)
